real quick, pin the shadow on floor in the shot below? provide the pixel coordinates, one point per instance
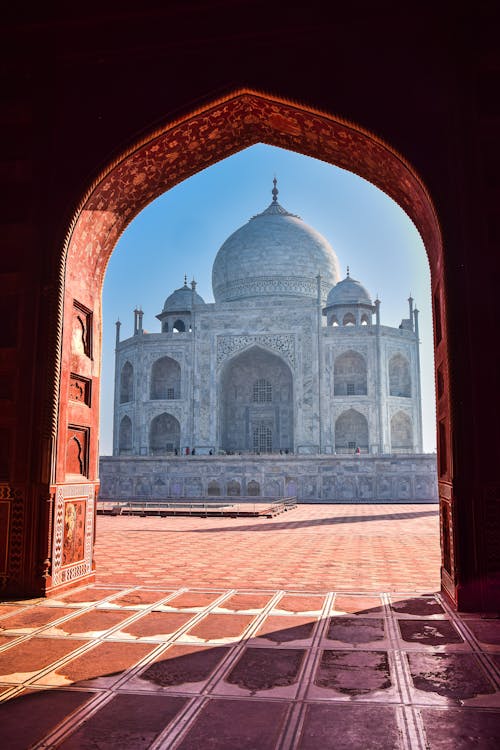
(352, 665)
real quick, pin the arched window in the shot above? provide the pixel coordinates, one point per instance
(213, 489)
(164, 435)
(350, 375)
(262, 439)
(365, 320)
(165, 379)
(126, 383)
(349, 320)
(334, 321)
(253, 488)
(233, 488)
(399, 376)
(179, 326)
(351, 432)
(401, 432)
(262, 391)
(125, 436)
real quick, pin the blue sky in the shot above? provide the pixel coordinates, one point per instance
(181, 232)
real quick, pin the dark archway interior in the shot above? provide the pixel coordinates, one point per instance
(101, 127)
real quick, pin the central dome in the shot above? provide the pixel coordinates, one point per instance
(275, 254)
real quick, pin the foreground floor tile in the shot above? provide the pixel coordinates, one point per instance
(345, 727)
(100, 666)
(182, 667)
(21, 662)
(448, 677)
(27, 718)
(261, 669)
(462, 730)
(354, 673)
(127, 722)
(236, 725)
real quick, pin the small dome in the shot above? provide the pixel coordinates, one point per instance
(182, 299)
(275, 254)
(348, 292)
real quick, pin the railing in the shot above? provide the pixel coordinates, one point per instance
(227, 506)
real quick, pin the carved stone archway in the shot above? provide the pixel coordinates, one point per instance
(161, 160)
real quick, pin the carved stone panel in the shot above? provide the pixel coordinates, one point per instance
(81, 330)
(77, 450)
(79, 389)
(73, 532)
(281, 343)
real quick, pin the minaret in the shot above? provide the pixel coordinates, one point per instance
(410, 307)
(136, 321)
(380, 386)
(420, 447)
(139, 321)
(320, 363)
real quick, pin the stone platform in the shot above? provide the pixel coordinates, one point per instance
(331, 478)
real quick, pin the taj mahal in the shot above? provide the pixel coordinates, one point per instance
(287, 384)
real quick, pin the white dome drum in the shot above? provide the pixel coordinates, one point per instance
(275, 254)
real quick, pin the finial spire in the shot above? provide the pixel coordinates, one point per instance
(185, 279)
(275, 190)
(347, 271)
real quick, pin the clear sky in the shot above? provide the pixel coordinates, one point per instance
(181, 232)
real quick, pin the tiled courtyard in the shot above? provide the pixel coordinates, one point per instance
(317, 629)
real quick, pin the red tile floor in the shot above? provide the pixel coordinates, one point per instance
(315, 630)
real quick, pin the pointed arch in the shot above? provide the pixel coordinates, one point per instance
(350, 374)
(164, 434)
(165, 379)
(401, 432)
(399, 376)
(256, 402)
(125, 436)
(351, 432)
(127, 383)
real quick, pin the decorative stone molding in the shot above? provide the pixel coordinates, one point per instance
(282, 344)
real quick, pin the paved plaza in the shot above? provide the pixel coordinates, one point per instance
(315, 630)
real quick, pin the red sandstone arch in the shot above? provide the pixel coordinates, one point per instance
(164, 158)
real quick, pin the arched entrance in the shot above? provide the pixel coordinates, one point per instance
(256, 402)
(161, 160)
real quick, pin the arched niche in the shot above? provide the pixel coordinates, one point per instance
(401, 432)
(399, 376)
(127, 383)
(256, 402)
(165, 379)
(125, 436)
(351, 432)
(350, 374)
(164, 435)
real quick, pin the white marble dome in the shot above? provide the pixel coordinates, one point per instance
(275, 254)
(182, 299)
(348, 292)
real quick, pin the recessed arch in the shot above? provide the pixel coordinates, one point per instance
(165, 379)
(172, 153)
(126, 383)
(125, 436)
(350, 374)
(256, 402)
(351, 432)
(164, 434)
